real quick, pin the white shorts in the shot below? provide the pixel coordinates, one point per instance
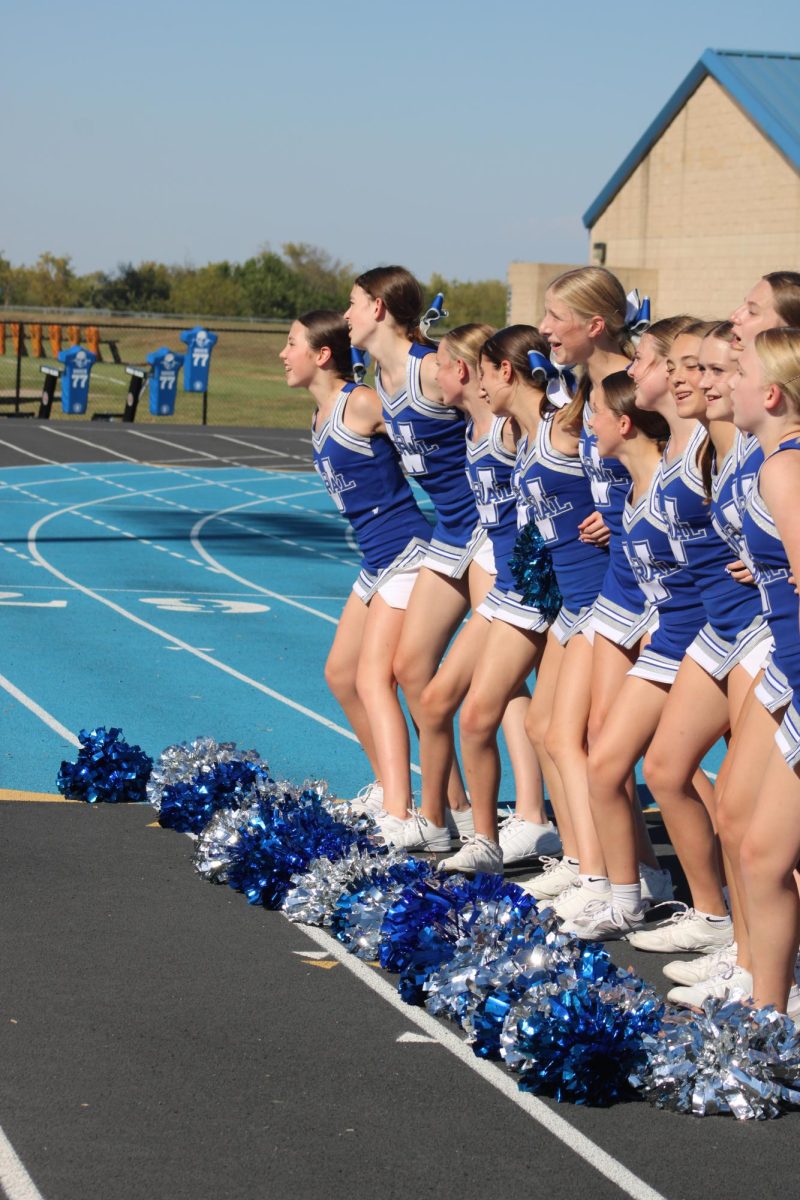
(512, 609)
(484, 557)
(394, 583)
(453, 561)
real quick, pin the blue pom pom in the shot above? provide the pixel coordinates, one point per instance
(107, 770)
(188, 807)
(534, 575)
(279, 840)
(421, 929)
(583, 1043)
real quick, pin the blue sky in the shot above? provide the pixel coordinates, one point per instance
(451, 136)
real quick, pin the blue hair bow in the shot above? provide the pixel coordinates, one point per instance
(637, 313)
(560, 382)
(434, 313)
(360, 361)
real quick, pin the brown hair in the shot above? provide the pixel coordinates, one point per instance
(512, 344)
(402, 295)
(327, 328)
(786, 292)
(619, 394)
(465, 341)
(663, 333)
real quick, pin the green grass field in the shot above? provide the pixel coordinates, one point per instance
(246, 382)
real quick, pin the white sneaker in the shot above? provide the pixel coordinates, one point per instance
(685, 930)
(698, 969)
(604, 921)
(574, 898)
(478, 853)
(556, 876)
(656, 885)
(369, 799)
(416, 833)
(521, 839)
(460, 825)
(732, 982)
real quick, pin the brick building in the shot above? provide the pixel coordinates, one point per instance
(709, 197)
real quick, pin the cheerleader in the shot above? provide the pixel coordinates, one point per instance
(771, 303)
(515, 638)
(491, 446)
(766, 401)
(361, 471)
(713, 681)
(650, 525)
(383, 317)
(588, 322)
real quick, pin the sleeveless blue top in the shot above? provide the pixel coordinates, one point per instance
(556, 494)
(730, 607)
(363, 478)
(667, 583)
(730, 487)
(430, 441)
(610, 483)
(490, 468)
(767, 559)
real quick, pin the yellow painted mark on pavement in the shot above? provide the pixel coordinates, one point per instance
(326, 966)
(35, 797)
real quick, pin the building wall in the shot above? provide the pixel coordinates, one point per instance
(712, 207)
(527, 283)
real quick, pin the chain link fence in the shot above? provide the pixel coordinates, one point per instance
(246, 381)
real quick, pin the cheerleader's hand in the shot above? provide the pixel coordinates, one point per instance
(594, 529)
(738, 571)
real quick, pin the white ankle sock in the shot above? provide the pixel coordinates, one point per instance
(595, 883)
(627, 895)
(572, 863)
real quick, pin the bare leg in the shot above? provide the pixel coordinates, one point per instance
(694, 716)
(508, 658)
(628, 728)
(769, 853)
(437, 707)
(436, 608)
(738, 787)
(377, 691)
(565, 742)
(610, 665)
(341, 669)
(524, 763)
(536, 725)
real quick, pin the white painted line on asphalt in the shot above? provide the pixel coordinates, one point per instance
(18, 450)
(164, 442)
(532, 1106)
(417, 1037)
(14, 1179)
(84, 442)
(38, 711)
(254, 446)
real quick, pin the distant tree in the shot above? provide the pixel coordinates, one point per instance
(213, 290)
(322, 281)
(483, 300)
(51, 282)
(269, 285)
(145, 288)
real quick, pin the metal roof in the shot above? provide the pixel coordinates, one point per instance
(765, 84)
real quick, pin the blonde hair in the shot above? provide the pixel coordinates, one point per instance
(786, 295)
(779, 353)
(465, 341)
(592, 292)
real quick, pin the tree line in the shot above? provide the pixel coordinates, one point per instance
(270, 284)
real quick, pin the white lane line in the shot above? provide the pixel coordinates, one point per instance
(213, 562)
(532, 1106)
(195, 651)
(164, 442)
(38, 711)
(254, 446)
(92, 445)
(39, 457)
(14, 1179)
